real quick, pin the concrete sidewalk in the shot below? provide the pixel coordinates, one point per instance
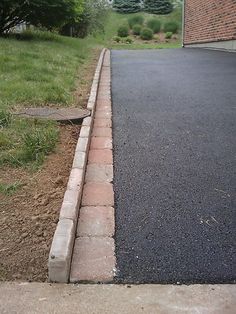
(40, 298)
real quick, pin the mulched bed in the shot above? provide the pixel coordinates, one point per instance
(157, 39)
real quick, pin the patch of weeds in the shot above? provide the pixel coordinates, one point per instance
(5, 141)
(10, 189)
(37, 144)
(5, 118)
(27, 142)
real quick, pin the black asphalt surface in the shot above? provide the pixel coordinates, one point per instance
(174, 117)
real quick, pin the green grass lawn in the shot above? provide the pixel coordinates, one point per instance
(41, 72)
(44, 70)
(35, 73)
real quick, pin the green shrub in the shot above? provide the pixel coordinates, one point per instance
(128, 40)
(134, 20)
(117, 39)
(155, 25)
(171, 27)
(146, 34)
(137, 29)
(123, 31)
(168, 35)
(38, 143)
(5, 118)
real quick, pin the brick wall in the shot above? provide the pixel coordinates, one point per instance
(209, 21)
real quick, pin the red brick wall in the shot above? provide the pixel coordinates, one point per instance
(209, 20)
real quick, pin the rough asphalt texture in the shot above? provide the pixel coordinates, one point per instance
(174, 150)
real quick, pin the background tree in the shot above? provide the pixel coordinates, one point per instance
(91, 21)
(55, 13)
(158, 6)
(127, 6)
(46, 13)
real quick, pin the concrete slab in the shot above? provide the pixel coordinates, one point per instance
(39, 298)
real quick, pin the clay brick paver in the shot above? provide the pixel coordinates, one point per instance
(101, 143)
(106, 77)
(104, 107)
(98, 194)
(102, 132)
(103, 114)
(94, 250)
(104, 95)
(101, 122)
(104, 98)
(96, 221)
(103, 103)
(100, 156)
(104, 91)
(99, 173)
(105, 84)
(93, 260)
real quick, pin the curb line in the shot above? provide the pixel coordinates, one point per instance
(60, 255)
(93, 259)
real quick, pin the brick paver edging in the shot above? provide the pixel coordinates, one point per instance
(59, 262)
(94, 259)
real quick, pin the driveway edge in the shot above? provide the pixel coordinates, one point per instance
(94, 258)
(60, 255)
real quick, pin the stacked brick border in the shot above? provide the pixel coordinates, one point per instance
(60, 255)
(93, 258)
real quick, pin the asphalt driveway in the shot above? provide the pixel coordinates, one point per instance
(174, 128)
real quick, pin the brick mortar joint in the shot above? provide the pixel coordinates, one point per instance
(55, 262)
